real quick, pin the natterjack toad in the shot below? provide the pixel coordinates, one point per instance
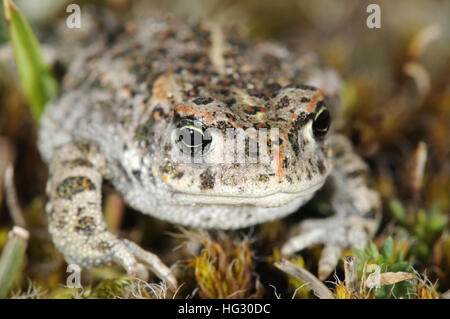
(202, 127)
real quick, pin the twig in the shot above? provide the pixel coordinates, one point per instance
(422, 39)
(351, 277)
(6, 157)
(319, 289)
(11, 198)
(418, 167)
(12, 257)
(446, 295)
(420, 76)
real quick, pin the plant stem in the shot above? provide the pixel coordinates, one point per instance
(12, 257)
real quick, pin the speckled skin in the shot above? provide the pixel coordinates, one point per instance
(125, 95)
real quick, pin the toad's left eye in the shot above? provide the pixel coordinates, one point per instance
(321, 122)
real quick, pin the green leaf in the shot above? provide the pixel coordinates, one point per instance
(398, 210)
(373, 250)
(38, 83)
(12, 258)
(360, 254)
(437, 220)
(3, 33)
(400, 266)
(388, 248)
(382, 293)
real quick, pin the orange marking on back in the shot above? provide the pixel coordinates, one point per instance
(189, 110)
(160, 89)
(261, 125)
(280, 165)
(126, 91)
(316, 98)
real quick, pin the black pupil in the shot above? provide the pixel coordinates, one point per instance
(321, 123)
(193, 139)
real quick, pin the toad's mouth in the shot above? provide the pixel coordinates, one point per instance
(264, 199)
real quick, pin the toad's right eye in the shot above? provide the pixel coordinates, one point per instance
(192, 137)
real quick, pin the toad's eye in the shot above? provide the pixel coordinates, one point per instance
(193, 137)
(321, 122)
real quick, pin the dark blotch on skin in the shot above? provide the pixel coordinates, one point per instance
(258, 94)
(144, 132)
(203, 100)
(250, 110)
(61, 222)
(104, 246)
(230, 101)
(272, 89)
(74, 185)
(78, 162)
(305, 100)
(372, 213)
(357, 173)
(86, 225)
(207, 180)
(321, 167)
(80, 211)
(308, 173)
(294, 143)
(137, 175)
(300, 86)
(302, 119)
(283, 103)
(83, 147)
(167, 147)
(178, 175)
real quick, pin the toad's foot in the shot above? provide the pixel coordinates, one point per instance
(356, 207)
(335, 233)
(75, 217)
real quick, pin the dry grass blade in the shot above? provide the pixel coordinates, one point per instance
(446, 295)
(320, 290)
(388, 278)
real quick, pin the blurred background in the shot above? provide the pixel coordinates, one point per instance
(395, 108)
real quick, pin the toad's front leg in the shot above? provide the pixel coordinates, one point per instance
(356, 206)
(75, 217)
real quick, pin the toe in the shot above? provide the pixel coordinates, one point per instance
(142, 272)
(125, 258)
(302, 241)
(357, 237)
(329, 260)
(153, 262)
